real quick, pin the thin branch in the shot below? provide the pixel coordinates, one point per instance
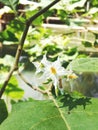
(47, 91)
(20, 46)
(30, 85)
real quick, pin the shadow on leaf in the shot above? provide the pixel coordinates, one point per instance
(3, 111)
(71, 102)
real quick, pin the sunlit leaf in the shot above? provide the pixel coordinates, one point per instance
(16, 25)
(84, 65)
(43, 3)
(93, 10)
(76, 4)
(95, 2)
(13, 90)
(11, 3)
(7, 35)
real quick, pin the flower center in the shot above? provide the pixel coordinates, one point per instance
(53, 70)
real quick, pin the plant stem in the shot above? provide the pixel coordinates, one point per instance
(20, 46)
(30, 85)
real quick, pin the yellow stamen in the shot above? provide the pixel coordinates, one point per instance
(72, 76)
(53, 70)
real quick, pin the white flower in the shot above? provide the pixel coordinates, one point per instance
(55, 72)
(52, 70)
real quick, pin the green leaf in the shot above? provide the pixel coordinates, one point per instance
(44, 115)
(94, 2)
(7, 35)
(13, 30)
(3, 111)
(79, 118)
(16, 25)
(87, 44)
(80, 3)
(11, 3)
(43, 3)
(36, 115)
(84, 65)
(13, 90)
(93, 10)
(37, 21)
